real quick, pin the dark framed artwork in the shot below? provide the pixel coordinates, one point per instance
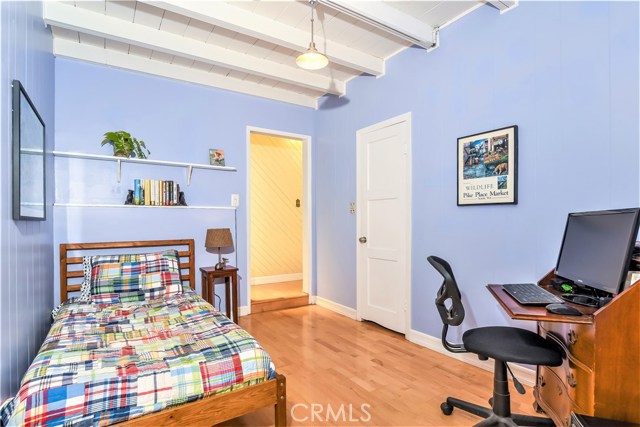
(488, 167)
(29, 195)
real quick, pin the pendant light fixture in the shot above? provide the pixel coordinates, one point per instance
(311, 59)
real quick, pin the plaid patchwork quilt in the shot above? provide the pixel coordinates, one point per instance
(104, 364)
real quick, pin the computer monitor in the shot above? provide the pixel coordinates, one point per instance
(597, 247)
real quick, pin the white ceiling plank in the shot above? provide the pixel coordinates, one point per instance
(140, 51)
(198, 30)
(65, 34)
(58, 14)
(396, 21)
(229, 39)
(148, 15)
(185, 62)
(503, 5)
(201, 66)
(121, 9)
(74, 50)
(114, 45)
(249, 23)
(98, 6)
(162, 57)
(293, 14)
(270, 9)
(174, 23)
(92, 40)
(261, 49)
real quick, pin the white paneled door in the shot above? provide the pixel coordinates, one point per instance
(384, 222)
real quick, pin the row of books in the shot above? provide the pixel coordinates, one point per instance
(155, 192)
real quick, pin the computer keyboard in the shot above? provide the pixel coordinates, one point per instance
(530, 294)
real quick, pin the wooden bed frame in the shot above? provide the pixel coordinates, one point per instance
(209, 410)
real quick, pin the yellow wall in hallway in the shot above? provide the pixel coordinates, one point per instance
(276, 222)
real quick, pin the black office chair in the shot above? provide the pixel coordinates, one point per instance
(503, 344)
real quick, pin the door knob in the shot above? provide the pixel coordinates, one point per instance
(362, 239)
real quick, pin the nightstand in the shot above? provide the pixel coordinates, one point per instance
(230, 275)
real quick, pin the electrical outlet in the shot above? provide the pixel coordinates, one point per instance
(352, 207)
(235, 200)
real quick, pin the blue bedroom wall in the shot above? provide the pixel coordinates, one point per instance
(179, 122)
(26, 247)
(572, 91)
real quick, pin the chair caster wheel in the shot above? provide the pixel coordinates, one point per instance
(446, 408)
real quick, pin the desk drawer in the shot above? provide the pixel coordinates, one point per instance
(579, 384)
(577, 339)
(577, 377)
(552, 396)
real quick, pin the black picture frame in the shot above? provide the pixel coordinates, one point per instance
(488, 167)
(29, 162)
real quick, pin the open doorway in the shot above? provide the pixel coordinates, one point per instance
(278, 219)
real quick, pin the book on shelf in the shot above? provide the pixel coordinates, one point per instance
(136, 191)
(147, 192)
(155, 192)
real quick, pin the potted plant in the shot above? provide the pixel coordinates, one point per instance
(124, 145)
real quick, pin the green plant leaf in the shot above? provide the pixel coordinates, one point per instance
(122, 142)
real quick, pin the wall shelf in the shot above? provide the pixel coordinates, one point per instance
(189, 166)
(109, 205)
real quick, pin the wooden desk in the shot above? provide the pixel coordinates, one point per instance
(600, 375)
(230, 275)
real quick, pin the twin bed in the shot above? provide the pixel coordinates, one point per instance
(143, 349)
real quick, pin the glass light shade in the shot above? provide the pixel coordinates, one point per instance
(312, 59)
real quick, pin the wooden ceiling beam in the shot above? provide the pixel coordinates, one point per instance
(387, 18)
(242, 21)
(85, 21)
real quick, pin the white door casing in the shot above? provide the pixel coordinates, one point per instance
(307, 211)
(383, 170)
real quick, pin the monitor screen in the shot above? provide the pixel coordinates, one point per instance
(597, 247)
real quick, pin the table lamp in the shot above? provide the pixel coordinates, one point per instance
(218, 238)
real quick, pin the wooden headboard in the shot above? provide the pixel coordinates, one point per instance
(71, 254)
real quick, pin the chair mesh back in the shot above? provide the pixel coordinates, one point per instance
(448, 300)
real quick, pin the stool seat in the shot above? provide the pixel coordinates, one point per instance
(512, 345)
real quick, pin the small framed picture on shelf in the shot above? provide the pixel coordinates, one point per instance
(216, 157)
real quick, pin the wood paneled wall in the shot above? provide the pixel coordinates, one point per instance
(26, 247)
(276, 222)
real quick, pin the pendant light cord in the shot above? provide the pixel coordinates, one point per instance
(313, 6)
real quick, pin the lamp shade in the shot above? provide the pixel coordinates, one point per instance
(312, 59)
(218, 238)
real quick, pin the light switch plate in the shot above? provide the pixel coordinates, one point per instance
(235, 200)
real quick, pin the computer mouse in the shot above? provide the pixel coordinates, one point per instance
(563, 309)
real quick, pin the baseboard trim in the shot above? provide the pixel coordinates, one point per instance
(525, 375)
(265, 280)
(312, 299)
(244, 310)
(335, 307)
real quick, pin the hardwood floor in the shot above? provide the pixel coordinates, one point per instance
(367, 374)
(278, 296)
